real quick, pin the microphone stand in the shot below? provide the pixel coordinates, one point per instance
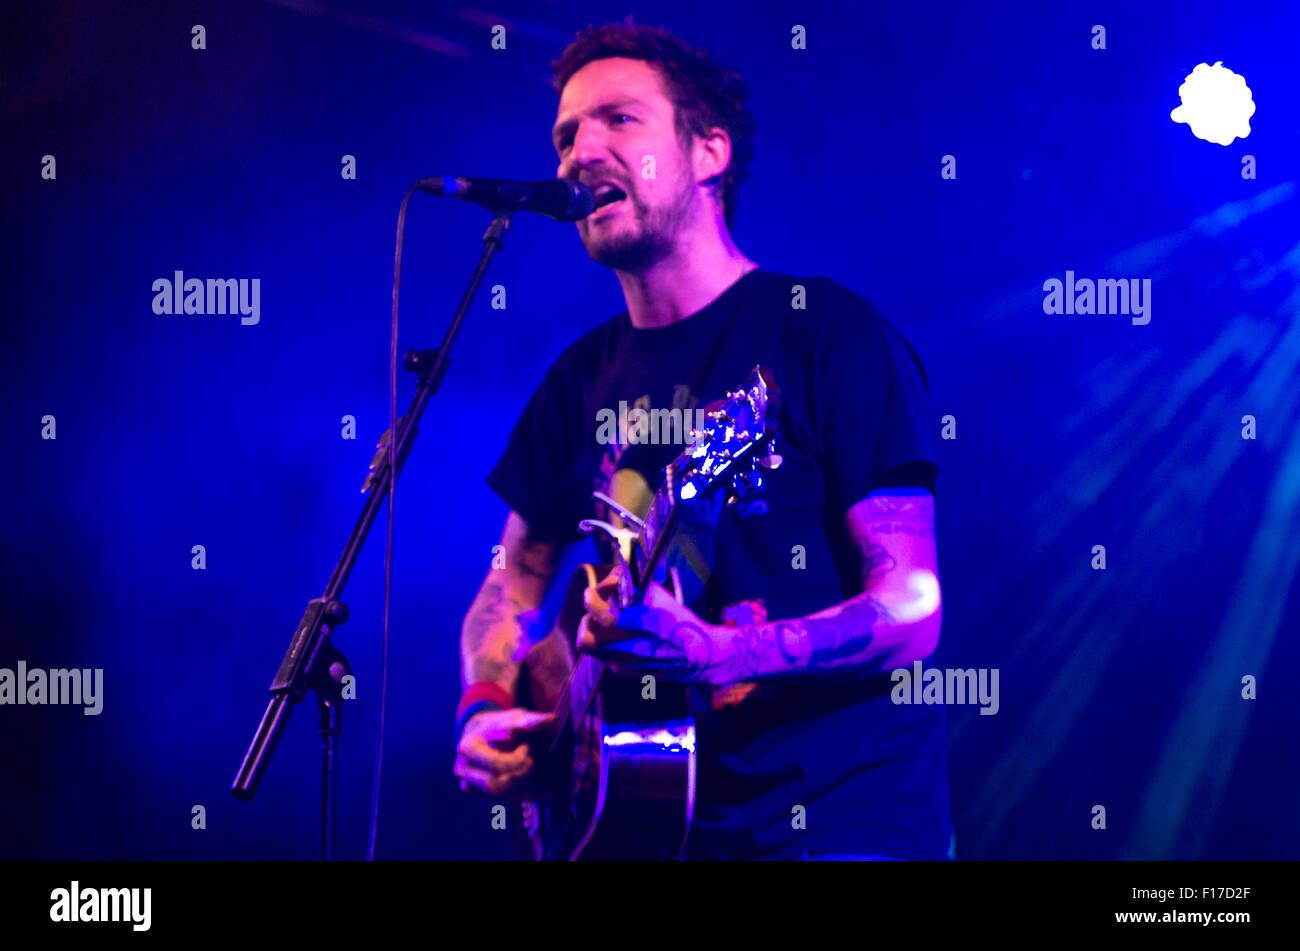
(312, 661)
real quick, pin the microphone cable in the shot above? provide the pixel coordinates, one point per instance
(388, 535)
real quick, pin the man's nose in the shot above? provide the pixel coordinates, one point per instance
(589, 151)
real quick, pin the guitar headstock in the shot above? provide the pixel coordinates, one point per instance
(736, 443)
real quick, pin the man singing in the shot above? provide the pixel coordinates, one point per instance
(816, 587)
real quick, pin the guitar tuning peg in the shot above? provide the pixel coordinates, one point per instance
(772, 462)
(747, 483)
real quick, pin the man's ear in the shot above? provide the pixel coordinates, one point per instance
(712, 156)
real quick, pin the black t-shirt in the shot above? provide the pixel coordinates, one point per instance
(869, 775)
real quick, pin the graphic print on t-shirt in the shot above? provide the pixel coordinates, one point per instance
(641, 424)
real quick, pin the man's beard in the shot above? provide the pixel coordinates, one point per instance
(640, 249)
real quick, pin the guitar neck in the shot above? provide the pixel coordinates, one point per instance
(659, 527)
(723, 452)
(651, 544)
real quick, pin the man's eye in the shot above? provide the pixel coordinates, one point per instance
(622, 115)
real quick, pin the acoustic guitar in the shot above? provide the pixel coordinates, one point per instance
(617, 780)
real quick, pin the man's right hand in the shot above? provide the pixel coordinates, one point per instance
(492, 757)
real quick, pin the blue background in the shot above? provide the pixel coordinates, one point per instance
(1118, 687)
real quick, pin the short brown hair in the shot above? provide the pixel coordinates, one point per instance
(704, 93)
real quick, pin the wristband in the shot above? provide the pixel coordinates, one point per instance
(474, 708)
(478, 697)
(485, 690)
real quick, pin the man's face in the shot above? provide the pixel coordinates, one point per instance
(613, 113)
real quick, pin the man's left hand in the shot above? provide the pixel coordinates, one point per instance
(660, 637)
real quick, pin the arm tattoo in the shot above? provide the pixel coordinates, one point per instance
(688, 651)
(497, 669)
(683, 656)
(792, 640)
(860, 632)
(490, 635)
(906, 514)
(536, 562)
(874, 561)
(809, 644)
(483, 615)
(750, 646)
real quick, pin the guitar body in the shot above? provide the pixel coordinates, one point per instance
(620, 776)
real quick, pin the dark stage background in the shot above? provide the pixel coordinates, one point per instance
(1119, 687)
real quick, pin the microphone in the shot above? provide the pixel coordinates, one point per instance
(557, 198)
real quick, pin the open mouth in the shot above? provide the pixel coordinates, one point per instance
(607, 195)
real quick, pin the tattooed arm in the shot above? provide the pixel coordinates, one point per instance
(492, 633)
(894, 621)
(492, 757)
